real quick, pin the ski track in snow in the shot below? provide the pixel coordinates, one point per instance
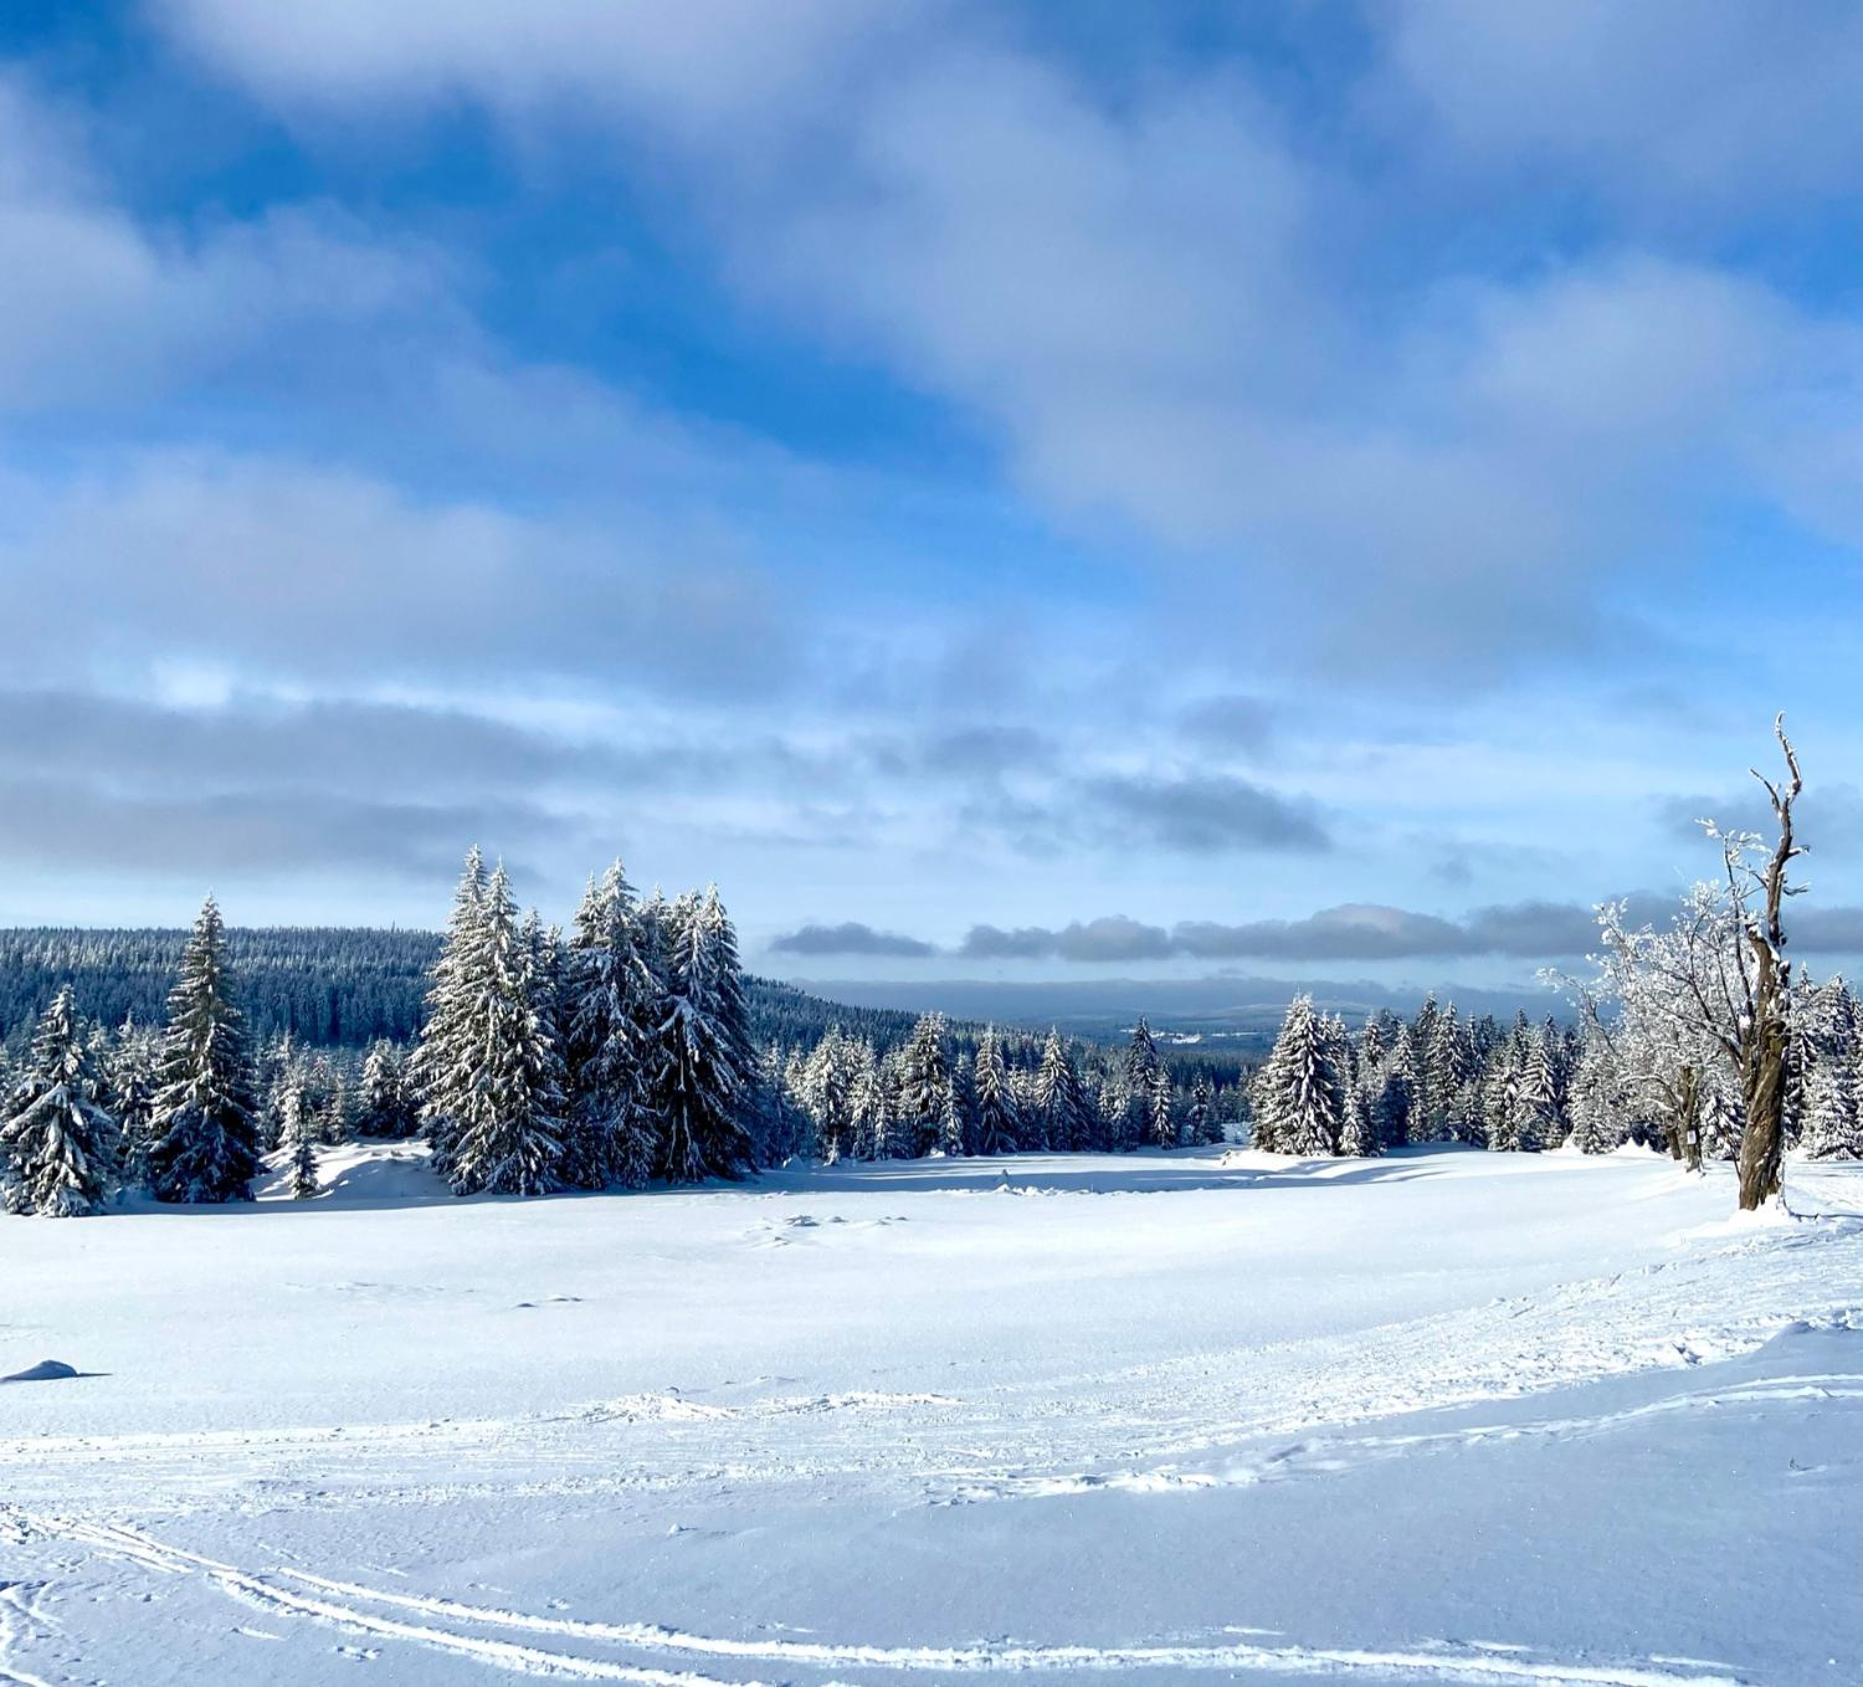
(342, 1605)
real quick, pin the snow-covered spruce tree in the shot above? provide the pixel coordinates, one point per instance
(1140, 1072)
(1542, 1098)
(57, 1144)
(870, 1106)
(827, 1090)
(1600, 1102)
(1358, 1137)
(336, 1112)
(1298, 1098)
(1201, 1126)
(1721, 1121)
(612, 997)
(1509, 1127)
(1392, 1089)
(1161, 1126)
(1833, 1125)
(203, 1128)
(1446, 1069)
(503, 1098)
(298, 1140)
(444, 1066)
(997, 1123)
(386, 1111)
(702, 1059)
(926, 1103)
(1060, 1105)
(128, 1073)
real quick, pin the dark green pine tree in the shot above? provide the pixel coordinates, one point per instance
(204, 1126)
(57, 1146)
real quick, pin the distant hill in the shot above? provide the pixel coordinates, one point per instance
(1234, 1015)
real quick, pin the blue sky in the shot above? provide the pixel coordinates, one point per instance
(1005, 490)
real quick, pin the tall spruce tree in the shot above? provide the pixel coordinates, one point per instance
(204, 1140)
(57, 1144)
(1134, 1121)
(703, 1061)
(1298, 1099)
(926, 1101)
(997, 1121)
(298, 1139)
(614, 1008)
(445, 1065)
(508, 1124)
(1059, 1102)
(128, 1071)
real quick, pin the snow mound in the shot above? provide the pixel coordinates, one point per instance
(47, 1370)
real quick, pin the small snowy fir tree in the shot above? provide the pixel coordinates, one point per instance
(203, 1129)
(1833, 1127)
(57, 1147)
(1298, 1099)
(298, 1140)
(997, 1122)
(702, 1058)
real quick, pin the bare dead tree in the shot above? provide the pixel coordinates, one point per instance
(1759, 896)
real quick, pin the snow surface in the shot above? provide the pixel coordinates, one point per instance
(1444, 1417)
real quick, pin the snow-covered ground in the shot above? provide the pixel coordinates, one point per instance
(1445, 1417)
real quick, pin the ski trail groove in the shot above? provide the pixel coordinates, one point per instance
(337, 1603)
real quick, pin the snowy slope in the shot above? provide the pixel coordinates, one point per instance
(1447, 1416)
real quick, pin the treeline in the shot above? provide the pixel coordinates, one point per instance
(329, 987)
(848, 1097)
(1326, 1090)
(335, 988)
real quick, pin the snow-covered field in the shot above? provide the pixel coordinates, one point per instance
(1443, 1417)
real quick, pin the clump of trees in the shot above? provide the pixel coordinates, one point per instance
(1006, 1092)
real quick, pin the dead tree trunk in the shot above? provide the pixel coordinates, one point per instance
(1764, 1035)
(1685, 1121)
